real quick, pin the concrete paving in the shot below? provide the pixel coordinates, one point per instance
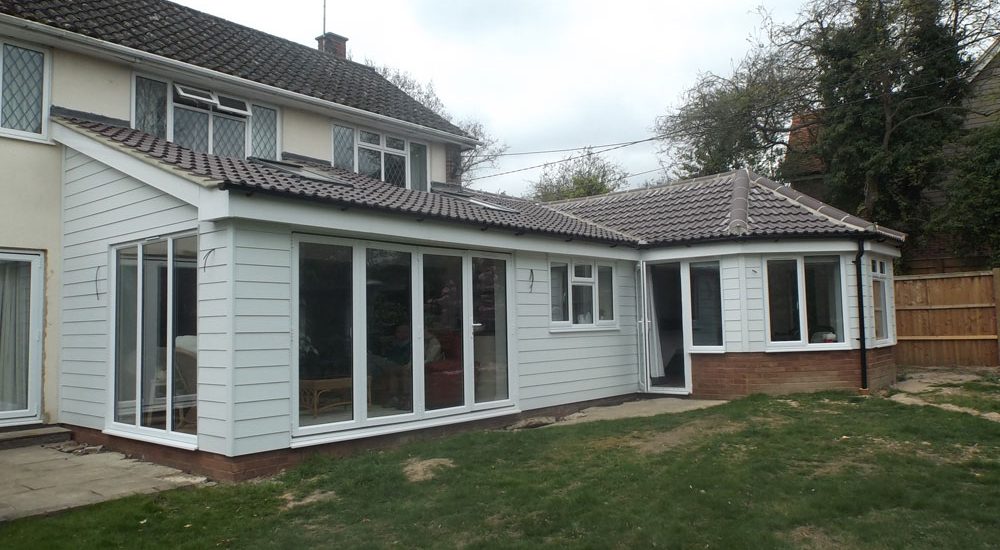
(643, 407)
(40, 480)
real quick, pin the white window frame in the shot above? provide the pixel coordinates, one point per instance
(360, 422)
(382, 149)
(803, 344)
(571, 280)
(137, 431)
(687, 306)
(36, 312)
(886, 277)
(171, 85)
(42, 137)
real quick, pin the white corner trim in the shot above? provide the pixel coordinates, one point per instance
(134, 165)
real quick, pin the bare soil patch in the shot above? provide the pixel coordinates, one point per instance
(291, 501)
(682, 435)
(416, 469)
(813, 538)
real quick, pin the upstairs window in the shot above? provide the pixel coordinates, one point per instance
(381, 156)
(205, 121)
(22, 89)
(582, 293)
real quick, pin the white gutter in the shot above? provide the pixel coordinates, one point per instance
(132, 55)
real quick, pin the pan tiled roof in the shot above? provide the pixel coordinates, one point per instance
(731, 205)
(349, 189)
(190, 36)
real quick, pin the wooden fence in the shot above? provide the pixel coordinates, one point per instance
(948, 319)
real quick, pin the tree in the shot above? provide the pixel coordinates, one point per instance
(482, 156)
(881, 79)
(971, 216)
(577, 176)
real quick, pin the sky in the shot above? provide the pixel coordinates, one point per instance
(540, 74)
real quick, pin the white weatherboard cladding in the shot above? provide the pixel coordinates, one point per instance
(557, 368)
(101, 207)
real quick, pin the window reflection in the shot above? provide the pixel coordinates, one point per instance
(388, 292)
(444, 364)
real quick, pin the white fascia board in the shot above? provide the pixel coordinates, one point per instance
(138, 168)
(51, 36)
(357, 222)
(715, 249)
(882, 248)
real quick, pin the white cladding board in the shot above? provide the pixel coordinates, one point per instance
(101, 207)
(262, 325)
(556, 368)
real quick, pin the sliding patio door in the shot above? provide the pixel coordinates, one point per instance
(20, 337)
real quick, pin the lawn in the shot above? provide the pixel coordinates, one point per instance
(807, 471)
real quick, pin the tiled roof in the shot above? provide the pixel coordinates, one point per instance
(350, 189)
(731, 205)
(190, 36)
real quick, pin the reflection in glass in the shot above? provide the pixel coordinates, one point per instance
(824, 305)
(879, 302)
(706, 304)
(370, 163)
(444, 366)
(154, 335)
(559, 292)
(326, 370)
(783, 300)
(390, 335)
(605, 293)
(583, 304)
(185, 335)
(15, 330)
(489, 328)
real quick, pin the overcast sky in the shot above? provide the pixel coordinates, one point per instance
(539, 74)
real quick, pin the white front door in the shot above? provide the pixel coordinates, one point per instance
(20, 337)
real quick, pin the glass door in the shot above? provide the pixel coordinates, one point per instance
(20, 337)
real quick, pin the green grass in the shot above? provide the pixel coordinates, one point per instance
(982, 394)
(826, 470)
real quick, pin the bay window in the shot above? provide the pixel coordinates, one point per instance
(22, 89)
(880, 299)
(805, 303)
(205, 121)
(582, 293)
(389, 333)
(381, 156)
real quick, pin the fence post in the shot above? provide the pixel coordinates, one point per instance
(996, 306)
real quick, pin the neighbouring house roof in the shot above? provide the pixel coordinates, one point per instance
(730, 206)
(348, 189)
(738, 204)
(190, 36)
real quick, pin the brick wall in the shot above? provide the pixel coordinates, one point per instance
(729, 375)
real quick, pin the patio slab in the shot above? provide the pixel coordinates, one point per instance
(642, 407)
(40, 480)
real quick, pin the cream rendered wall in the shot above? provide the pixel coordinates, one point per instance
(30, 220)
(306, 133)
(439, 170)
(91, 85)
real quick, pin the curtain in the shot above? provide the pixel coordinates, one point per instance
(15, 301)
(655, 355)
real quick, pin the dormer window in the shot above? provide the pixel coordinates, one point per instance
(381, 156)
(204, 120)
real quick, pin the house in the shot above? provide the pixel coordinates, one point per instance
(227, 251)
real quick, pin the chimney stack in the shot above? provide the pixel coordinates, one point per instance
(333, 44)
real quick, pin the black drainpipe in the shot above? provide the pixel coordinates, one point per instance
(861, 312)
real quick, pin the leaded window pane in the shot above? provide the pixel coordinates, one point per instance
(343, 147)
(395, 169)
(264, 132)
(370, 137)
(151, 106)
(418, 166)
(229, 137)
(23, 73)
(395, 143)
(370, 163)
(191, 129)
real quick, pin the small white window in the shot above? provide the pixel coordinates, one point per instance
(805, 301)
(381, 157)
(195, 94)
(233, 106)
(880, 300)
(578, 299)
(22, 89)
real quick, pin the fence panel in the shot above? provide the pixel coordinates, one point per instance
(948, 319)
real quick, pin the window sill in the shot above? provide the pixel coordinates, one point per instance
(883, 344)
(584, 328)
(839, 346)
(24, 136)
(190, 445)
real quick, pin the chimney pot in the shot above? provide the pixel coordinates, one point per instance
(332, 43)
